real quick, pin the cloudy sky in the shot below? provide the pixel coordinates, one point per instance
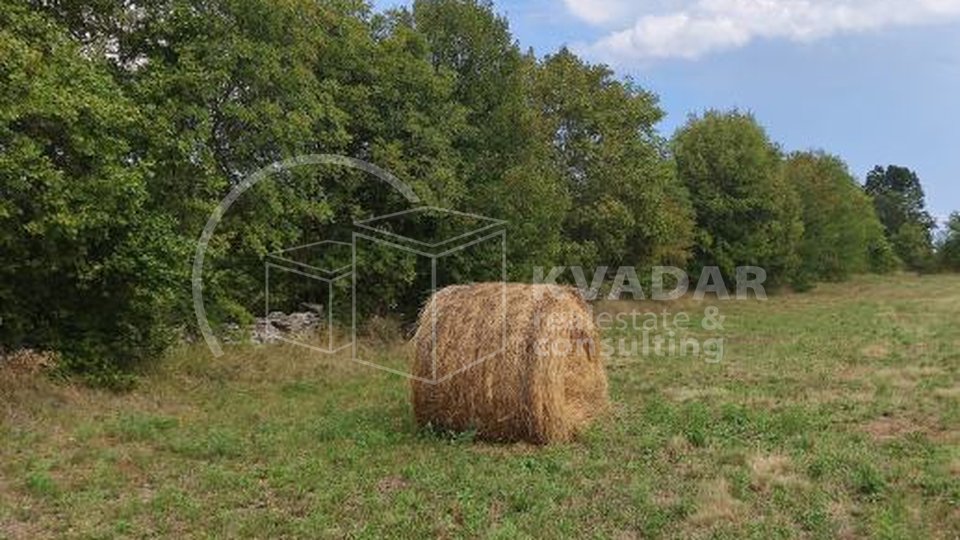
(874, 81)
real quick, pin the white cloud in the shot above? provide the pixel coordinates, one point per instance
(612, 12)
(597, 11)
(693, 28)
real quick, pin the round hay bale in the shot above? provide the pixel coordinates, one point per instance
(545, 385)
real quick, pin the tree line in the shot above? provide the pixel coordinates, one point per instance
(123, 124)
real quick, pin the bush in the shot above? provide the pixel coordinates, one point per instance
(949, 249)
(841, 232)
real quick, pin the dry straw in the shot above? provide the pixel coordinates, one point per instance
(546, 384)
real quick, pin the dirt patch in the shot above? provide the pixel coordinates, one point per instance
(390, 484)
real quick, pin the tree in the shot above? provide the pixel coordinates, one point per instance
(234, 86)
(627, 205)
(89, 270)
(562, 150)
(949, 246)
(123, 124)
(505, 162)
(747, 214)
(841, 232)
(899, 201)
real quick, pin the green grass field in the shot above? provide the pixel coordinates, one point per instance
(834, 413)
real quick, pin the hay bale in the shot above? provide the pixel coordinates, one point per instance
(545, 385)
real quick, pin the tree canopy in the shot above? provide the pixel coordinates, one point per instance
(899, 202)
(746, 212)
(949, 246)
(123, 124)
(841, 233)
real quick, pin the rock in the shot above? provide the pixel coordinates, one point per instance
(277, 324)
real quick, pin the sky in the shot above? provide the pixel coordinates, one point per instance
(875, 82)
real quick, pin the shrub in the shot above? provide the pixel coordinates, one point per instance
(841, 232)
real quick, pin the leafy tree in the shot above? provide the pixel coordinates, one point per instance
(841, 232)
(503, 158)
(899, 201)
(949, 246)
(233, 86)
(88, 269)
(627, 205)
(123, 124)
(747, 214)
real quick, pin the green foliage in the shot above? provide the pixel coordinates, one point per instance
(841, 233)
(561, 143)
(949, 246)
(868, 481)
(88, 269)
(747, 214)
(122, 126)
(235, 86)
(627, 206)
(504, 158)
(899, 200)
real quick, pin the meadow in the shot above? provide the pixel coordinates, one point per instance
(833, 413)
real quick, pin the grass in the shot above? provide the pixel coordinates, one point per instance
(834, 413)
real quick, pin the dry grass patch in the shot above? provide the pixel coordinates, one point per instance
(26, 362)
(950, 393)
(677, 447)
(770, 470)
(832, 395)
(876, 351)
(888, 428)
(685, 393)
(17, 530)
(907, 377)
(715, 504)
(389, 484)
(842, 514)
(900, 377)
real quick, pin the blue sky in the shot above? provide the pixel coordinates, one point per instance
(873, 81)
